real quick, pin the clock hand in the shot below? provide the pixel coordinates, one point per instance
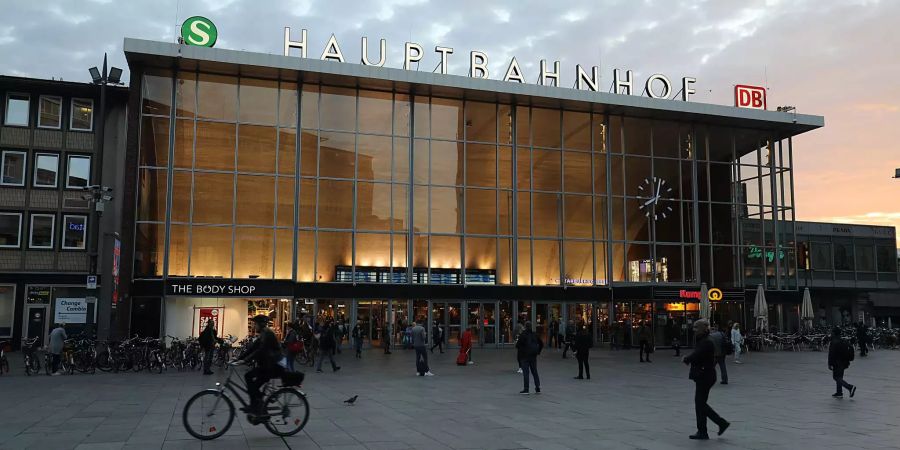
(658, 188)
(652, 199)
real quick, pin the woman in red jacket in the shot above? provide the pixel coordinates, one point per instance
(465, 348)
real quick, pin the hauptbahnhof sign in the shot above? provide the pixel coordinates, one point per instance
(655, 86)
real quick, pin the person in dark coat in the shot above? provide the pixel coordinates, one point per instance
(840, 353)
(358, 333)
(528, 347)
(862, 338)
(208, 345)
(703, 372)
(265, 352)
(326, 347)
(437, 337)
(583, 346)
(645, 340)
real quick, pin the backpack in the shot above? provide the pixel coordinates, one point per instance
(729, 346)
(533, 345)
(848, 351)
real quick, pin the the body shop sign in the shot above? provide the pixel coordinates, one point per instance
(70, 310)
(215, 287)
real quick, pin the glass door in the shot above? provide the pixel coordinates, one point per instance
(506, 323)
(473, 322)
(454, 323)
(488, 324)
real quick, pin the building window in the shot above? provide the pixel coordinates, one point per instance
(10, 229)
(78, 171)
(82, 114)
(7, 309)
(13, 168)
(50, 112)
(74, 232)
(17, 108)
(41, 232)
(46, 168)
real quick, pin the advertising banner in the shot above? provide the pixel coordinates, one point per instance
(70, 310)
(210, 313)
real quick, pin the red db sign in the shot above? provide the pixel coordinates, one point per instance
(753, 97)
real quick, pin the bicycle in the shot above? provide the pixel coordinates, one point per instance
(210, 412)
(29, 350)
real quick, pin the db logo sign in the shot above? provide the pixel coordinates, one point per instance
(753, 97)
(715, 294)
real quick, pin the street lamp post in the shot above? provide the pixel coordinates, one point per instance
(96, 194)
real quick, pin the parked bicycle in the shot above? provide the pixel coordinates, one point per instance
(29, 351)
(210, 413)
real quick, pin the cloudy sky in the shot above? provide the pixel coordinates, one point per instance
(833, 58)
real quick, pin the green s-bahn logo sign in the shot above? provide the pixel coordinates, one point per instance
(199, 30)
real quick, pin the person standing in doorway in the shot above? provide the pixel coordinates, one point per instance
(528, 347)
(840, 353)
(437, 336)
(207, 343)
(862, 338)
(357, 334)
(737, 339)
(418, 343)
(718, 340)
(645, 341)
(703, 373)
(326, 347)
(570, 338)
(57, 342)
(386, 338)
(583, 344)
(465, 348)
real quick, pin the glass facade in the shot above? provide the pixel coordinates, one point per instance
(252, 178)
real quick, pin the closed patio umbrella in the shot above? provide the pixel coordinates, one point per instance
(761, 310)
(806, 310)
(704, 301)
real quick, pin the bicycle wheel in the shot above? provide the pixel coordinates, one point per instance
(288, 412)
(104, 361)
(208, 414)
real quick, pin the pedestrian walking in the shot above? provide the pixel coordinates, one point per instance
(737, 339)
(862, 338)
(645, 341)
(437, 337)
(553, 335)
(358, 334)
(337, 332)
(840, 353)
(326, 347)
(560, 333)
(293, 344)
(718, 340)
(528, 347)
(703, 373)
(583, 344)
(520, 327)
(57, 342)
(570, 338)
(418, 338)
(465, 348)
(207, 341)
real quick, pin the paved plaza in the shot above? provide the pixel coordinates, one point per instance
(774, 400)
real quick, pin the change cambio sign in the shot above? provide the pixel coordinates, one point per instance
(70, 310)
(199, 30)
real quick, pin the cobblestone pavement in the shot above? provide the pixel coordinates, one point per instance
(774, 400)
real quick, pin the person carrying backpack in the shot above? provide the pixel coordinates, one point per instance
(840, 353)
(528, 347)
(326, 347)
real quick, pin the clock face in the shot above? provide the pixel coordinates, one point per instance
(653, 192)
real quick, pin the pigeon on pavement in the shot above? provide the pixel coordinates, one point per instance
(350, 401)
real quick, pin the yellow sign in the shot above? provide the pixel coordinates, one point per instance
(715, 294)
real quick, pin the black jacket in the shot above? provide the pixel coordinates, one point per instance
(839, 353)
(583, 344)
(528, 346)
(207, 338)
(703, 361)
(265, 350)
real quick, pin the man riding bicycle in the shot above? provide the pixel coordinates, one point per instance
(265, 352)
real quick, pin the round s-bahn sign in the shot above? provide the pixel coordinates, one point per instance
(199, 30)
